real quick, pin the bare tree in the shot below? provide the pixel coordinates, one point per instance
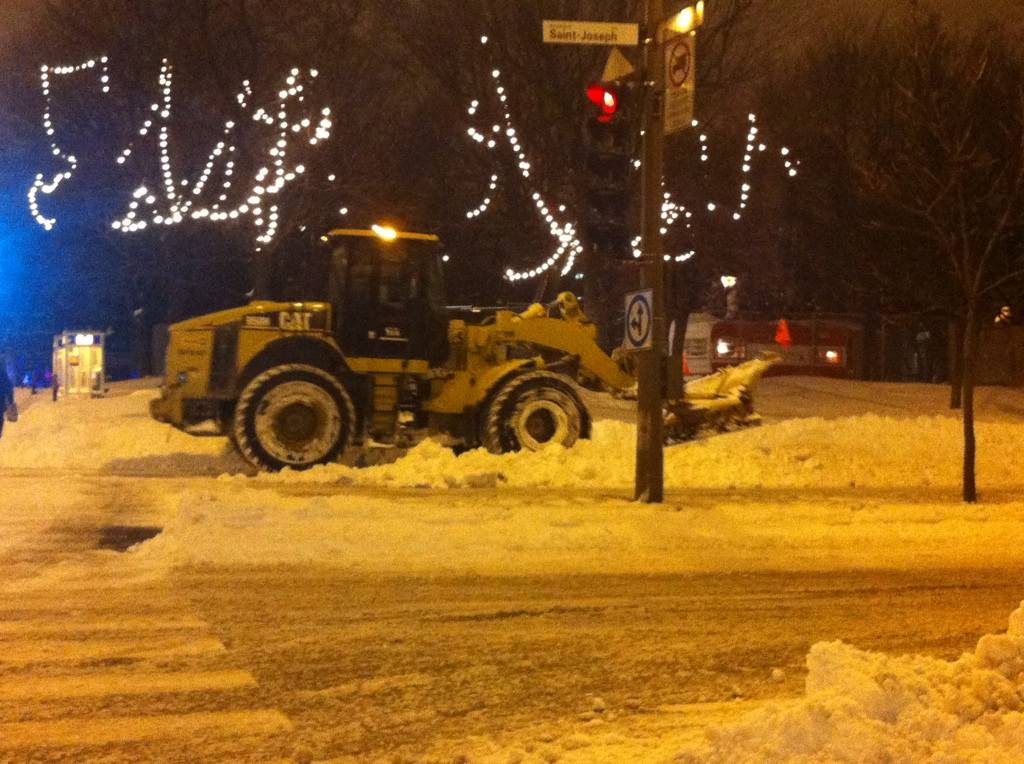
(214, 45)
(947, 161)
(545, 90)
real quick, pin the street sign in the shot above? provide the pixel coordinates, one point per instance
(680, 68)
(639, 314)
(590, 33)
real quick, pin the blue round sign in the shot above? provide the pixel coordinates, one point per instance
(638, 320)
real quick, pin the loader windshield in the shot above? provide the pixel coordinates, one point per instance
(388, 295)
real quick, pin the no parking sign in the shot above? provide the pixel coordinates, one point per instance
(680, 60)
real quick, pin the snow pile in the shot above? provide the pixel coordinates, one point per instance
(536, 531)
(607, 460)
(506, 534)
(112, 434)
(868, 450)
(117, 435)
(872, 707)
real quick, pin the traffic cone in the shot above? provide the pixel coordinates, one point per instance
(782, 336)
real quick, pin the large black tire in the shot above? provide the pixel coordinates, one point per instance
(532, 411)
(293, 416)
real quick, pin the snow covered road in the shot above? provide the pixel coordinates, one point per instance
(494, 608)
(261, 660)
(581, 668)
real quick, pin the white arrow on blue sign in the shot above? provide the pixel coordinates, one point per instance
(638, 319)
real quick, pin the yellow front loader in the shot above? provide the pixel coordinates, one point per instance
(380, 360)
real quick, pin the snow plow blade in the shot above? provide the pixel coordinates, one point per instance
(720, 401)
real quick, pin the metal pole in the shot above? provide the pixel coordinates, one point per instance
(649, 437)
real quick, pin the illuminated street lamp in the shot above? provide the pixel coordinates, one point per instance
(687, 20)
(385, 232)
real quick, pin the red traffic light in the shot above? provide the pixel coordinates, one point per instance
(606, 99)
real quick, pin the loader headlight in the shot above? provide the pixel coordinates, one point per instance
(182, 377)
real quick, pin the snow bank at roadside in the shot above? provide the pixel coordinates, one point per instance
(871, 707)
(116, 434)
(504, 535)
(112, 434)
(868, 450)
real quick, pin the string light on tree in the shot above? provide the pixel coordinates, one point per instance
(46, 73)
(172, 205)
(751, 149)
(568, 245)
(672, 211)
(481, 208)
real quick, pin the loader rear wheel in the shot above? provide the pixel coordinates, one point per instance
(293, 416)
(532, 411)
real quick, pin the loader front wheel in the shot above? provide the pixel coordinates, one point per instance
(532, 411)
(295, 416)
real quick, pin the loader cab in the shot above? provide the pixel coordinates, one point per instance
(386, 290)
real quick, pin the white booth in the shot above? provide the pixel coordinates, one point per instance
(78, 362)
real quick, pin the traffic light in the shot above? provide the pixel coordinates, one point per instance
(608, 141)
(606, 99)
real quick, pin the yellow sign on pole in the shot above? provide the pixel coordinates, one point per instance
(616, 67)
(590, 33)
(680, 81)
